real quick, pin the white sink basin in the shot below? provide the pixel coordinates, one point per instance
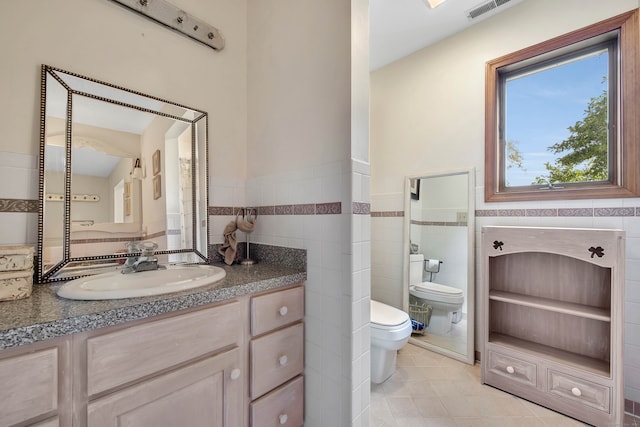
(115, 285)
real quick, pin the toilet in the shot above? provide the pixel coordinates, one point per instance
(446, 301)
(390, 331)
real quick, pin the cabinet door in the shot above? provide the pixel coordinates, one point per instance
(34, 384)
(205, 393)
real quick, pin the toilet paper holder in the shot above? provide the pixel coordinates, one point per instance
(432, 265)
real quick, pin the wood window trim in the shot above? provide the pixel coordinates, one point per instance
(627, 183)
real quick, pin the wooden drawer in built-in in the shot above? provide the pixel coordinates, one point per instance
(282, 407)
(32, 386)
(512, 368)
(116, 358)
(579, 390)
(276, 358)
(274, 310)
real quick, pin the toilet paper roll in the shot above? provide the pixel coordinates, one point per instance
(432, 265)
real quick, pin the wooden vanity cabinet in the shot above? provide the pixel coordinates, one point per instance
(182, 370)
(35, 385)
(229, 364)
(277, 359)
(553, 318)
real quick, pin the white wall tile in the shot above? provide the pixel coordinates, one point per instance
(17, 228)
(19, 173)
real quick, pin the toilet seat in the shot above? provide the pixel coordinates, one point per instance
(437, 292)
(386, 317)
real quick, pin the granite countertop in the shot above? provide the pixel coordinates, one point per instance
(44, 315)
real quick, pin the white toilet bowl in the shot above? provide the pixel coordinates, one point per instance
(444, 300)
(390, 331)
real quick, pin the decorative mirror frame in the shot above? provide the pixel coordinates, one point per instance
(199, 177)
(409, 189)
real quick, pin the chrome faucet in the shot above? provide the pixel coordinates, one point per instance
(145, 261)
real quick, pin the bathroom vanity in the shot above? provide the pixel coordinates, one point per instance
(229, 356)
(553, 318)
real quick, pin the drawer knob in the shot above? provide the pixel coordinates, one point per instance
(283, 360)
(576, 392)
(510, 369)
(235, 374)
(283, 419)
(283, 310)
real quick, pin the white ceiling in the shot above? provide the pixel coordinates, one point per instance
(401, 27)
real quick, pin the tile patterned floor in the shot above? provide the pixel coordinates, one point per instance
(430, 390)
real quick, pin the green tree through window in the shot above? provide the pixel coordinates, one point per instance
(586, 154)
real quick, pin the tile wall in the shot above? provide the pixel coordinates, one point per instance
(312, 209)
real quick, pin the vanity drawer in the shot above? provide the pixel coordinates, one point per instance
(276, 358)
(513, 368)
(282, 407)
(126, 355)
(276, 309)
(29, 386)
(579, 390)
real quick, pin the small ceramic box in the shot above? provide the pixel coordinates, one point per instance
(15, 284)
(16, 272)
(14, 258)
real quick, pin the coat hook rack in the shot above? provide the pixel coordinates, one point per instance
(171, 16)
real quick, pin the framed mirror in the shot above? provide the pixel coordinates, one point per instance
(439, 261)
(117, 166)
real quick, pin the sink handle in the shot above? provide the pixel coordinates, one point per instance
(147, 248)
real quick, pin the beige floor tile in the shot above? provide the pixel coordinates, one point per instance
(430, 407)
(410, 422)
(439, 422)
(422, 388)
(402, 407)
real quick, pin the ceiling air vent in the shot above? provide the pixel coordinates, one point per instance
(485, 7)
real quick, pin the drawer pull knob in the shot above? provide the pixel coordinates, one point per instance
(283, 310)
(283, 419)
(576, 392)
(235, 374)
(510, 369)
(283, 360)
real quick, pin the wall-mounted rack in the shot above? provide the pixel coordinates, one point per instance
(74, 198)
(171, 16)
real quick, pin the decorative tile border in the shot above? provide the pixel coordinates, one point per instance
(18, 205)
(361, 208)
(561, 212)
(387, 214)
(332, 208)
(546, 212)
(631, 407)
(440, 223)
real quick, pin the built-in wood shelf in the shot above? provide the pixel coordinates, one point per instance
(553, 317)
(589, 312)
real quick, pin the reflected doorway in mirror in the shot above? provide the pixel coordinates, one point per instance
(157, 187)
(414, 188)
(156, 162)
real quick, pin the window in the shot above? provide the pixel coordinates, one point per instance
(562, 117)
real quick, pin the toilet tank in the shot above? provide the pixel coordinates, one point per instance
(416, 262)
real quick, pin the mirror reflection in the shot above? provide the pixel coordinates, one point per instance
(439, 294)
(117, 167)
